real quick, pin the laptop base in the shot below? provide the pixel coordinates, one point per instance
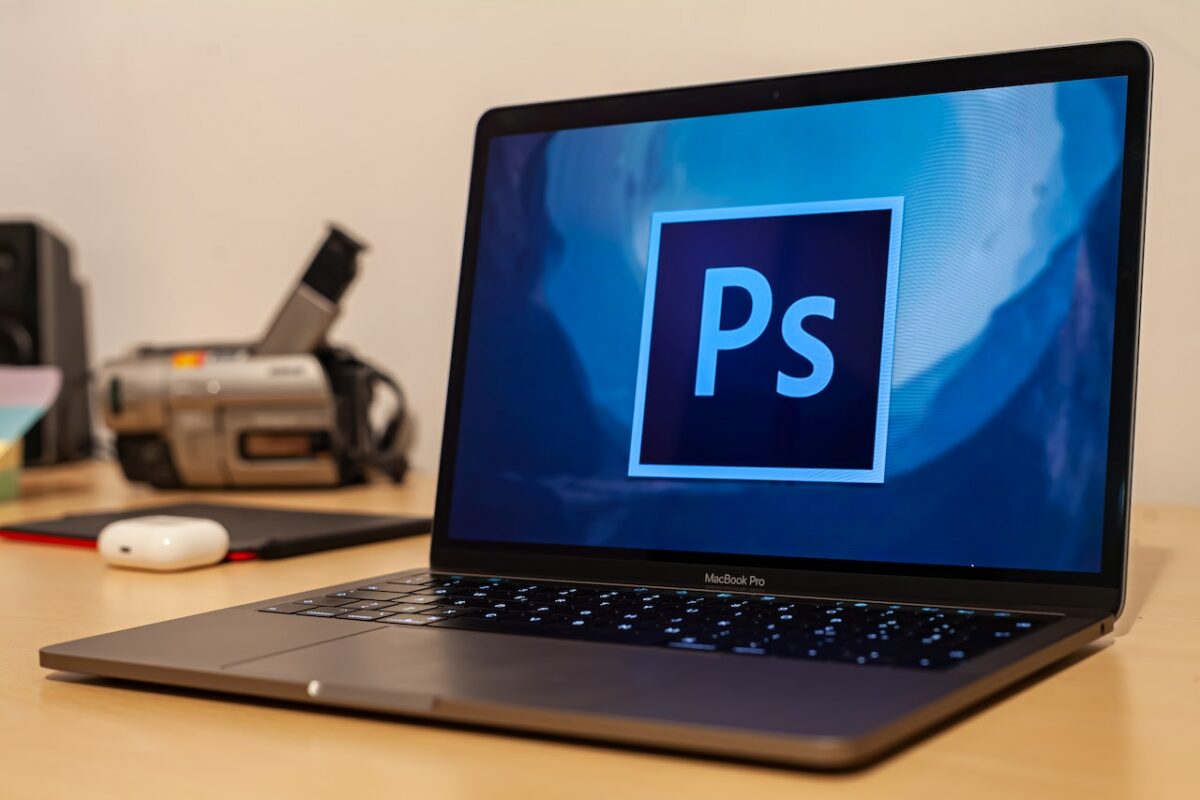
(776, 710)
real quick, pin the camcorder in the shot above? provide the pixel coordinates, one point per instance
(288, 410)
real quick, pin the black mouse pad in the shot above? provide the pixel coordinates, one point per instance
(254, 532)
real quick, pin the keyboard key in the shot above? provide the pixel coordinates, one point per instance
(321, 611)
(410, 619)
(364, 616)
(286, 608)
(369, 605)
(327, 601)
(446, 611)
(420, 598)
(423, 579)
(495, 625)
(615, 635)
(362, 594)
(408, 608)
(551, 629)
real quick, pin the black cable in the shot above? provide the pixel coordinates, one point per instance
(387, 454)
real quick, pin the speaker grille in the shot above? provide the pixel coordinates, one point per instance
(19, 340)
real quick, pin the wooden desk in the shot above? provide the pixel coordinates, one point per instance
(1122, 721)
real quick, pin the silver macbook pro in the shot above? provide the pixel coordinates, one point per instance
(787, 419)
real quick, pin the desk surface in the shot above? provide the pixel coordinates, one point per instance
(1121, 721)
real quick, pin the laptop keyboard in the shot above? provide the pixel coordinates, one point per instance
(744, 624)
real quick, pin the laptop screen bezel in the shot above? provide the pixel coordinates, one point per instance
(860, 579)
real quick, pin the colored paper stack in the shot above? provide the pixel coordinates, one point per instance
(26, 394)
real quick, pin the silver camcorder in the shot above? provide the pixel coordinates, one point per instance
(289, 410)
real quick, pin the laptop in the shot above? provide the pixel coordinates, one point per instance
(787, 420)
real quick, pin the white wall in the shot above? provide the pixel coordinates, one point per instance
(193, 149)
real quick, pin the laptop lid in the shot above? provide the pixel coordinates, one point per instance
(868, 333)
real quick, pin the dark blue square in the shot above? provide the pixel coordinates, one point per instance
(847, 252)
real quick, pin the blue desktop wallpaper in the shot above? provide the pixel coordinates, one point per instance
(1003, 329)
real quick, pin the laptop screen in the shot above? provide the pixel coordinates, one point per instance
(875, 331)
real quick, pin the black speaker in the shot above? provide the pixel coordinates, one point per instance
(43, 321)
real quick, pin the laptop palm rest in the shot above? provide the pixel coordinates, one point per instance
(514, 680)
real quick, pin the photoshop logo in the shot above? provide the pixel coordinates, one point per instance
(766, 349)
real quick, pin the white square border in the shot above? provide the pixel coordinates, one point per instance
(714, 472)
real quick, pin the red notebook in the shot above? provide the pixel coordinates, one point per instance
(254, 532)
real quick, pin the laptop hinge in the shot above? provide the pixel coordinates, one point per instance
(1073, 611)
